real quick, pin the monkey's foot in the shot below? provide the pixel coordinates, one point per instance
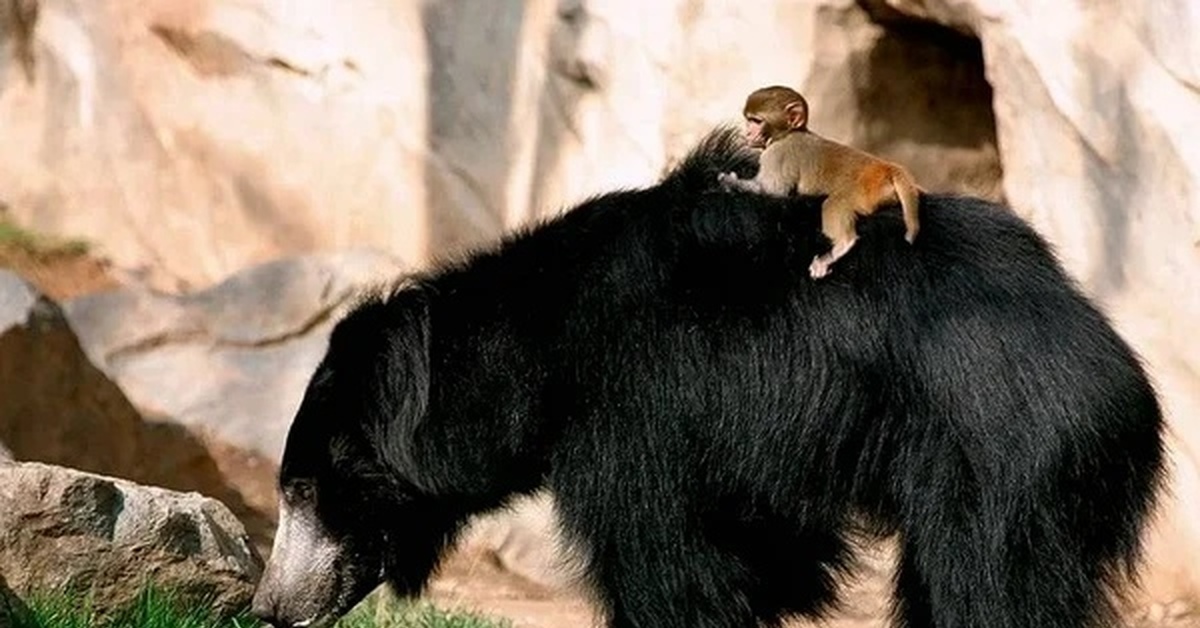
(728, 180)
(819, 267)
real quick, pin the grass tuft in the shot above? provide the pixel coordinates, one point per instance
(36, 245)
(384, 611)
(154, 608)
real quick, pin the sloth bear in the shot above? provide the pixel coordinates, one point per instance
(719, 430)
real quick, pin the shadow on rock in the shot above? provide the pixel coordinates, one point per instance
(57, 407)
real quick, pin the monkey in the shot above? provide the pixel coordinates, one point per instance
(796, 159)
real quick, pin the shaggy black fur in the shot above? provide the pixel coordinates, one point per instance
(717, 427)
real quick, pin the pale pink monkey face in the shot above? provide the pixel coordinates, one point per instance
(755, 132)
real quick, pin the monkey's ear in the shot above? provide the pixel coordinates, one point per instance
(797, 115)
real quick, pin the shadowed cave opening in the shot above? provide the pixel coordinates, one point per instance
(924, 99)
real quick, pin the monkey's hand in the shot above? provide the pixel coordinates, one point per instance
(728, 181)
(819, 267)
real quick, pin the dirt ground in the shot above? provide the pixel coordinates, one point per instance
(475, 581)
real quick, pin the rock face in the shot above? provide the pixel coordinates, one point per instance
(213, 377)
(55, 406)
(234, 359)
(66, 530)
(226, 366)
(192, 139)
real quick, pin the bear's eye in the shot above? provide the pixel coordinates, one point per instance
(300, 491)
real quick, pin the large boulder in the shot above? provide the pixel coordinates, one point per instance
(231, 361)
(63, 530)
(226, 366)
(57, 407)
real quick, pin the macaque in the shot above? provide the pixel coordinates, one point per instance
(796, 159)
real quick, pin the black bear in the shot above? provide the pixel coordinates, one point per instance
(718, 429)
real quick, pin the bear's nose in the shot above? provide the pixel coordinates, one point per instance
(265, 608)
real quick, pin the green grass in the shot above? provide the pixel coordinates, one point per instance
(155, 609)
(152, 608)
(17, 237)
(387, 613)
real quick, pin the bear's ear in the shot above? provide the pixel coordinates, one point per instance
(399, 380)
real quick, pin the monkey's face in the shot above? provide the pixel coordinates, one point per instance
(757, 131)
(772, 113)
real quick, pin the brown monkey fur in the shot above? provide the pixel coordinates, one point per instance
(796, 159)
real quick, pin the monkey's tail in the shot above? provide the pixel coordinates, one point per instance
(910, 200)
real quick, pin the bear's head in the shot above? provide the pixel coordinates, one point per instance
(350, 516)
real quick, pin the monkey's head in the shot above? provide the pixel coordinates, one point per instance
(772, 112)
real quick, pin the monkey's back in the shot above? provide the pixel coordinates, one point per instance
(818, 165)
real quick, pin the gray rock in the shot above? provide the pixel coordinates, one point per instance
(231, 361)
(17, 300)
(222, 371)
(57, 407)
(65, 530)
